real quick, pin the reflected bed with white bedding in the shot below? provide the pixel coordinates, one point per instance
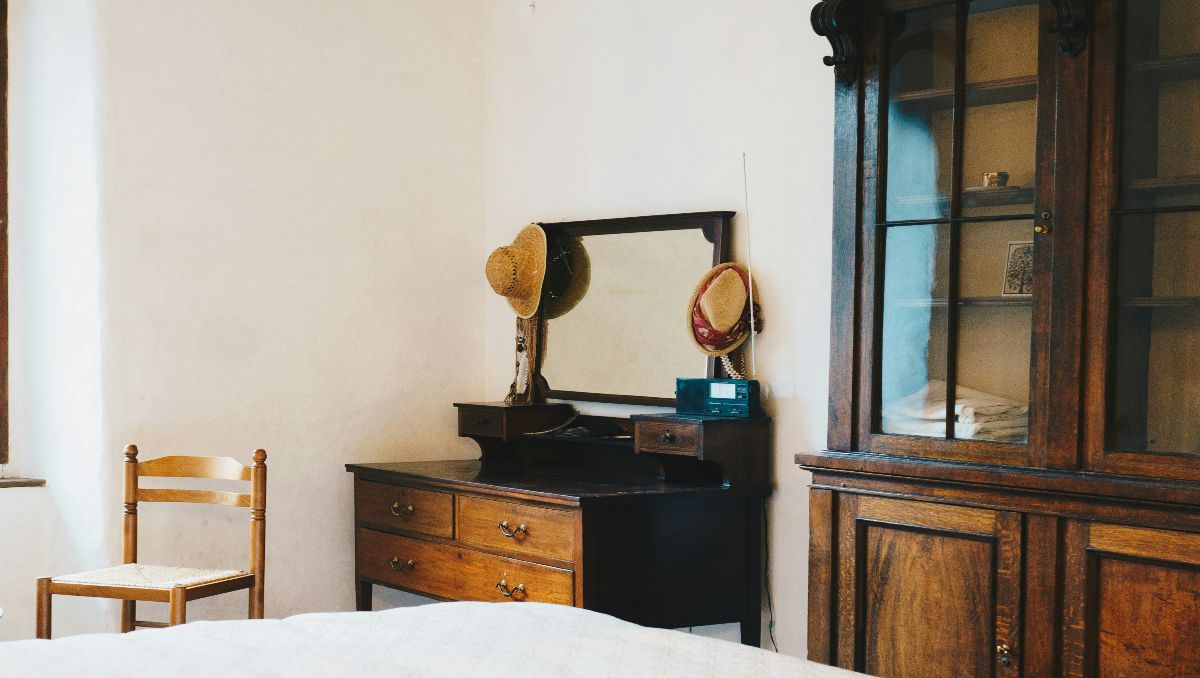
(444, 639)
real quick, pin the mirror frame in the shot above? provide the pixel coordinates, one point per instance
(716, 228)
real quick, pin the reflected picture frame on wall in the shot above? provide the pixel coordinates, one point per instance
(1018, 270)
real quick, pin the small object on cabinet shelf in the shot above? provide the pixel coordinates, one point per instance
(1018, 270)
(995, 179)
(718, 397)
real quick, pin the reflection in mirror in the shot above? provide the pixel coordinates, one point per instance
(616, 312)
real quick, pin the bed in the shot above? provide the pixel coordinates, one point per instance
(444, 639)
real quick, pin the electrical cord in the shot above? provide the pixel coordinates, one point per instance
(767, 579)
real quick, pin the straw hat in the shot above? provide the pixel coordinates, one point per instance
(516, 271)
(718, 317)
(568, 275)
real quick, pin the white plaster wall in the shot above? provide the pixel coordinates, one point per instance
(233, 224)
(626, 107)
(292, 224)
(246, 224)
(55, 311)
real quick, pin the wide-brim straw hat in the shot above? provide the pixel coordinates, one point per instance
(568, 276)
(517, 271)
(718, 315)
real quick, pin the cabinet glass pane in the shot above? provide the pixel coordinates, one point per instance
(1160, 158)
(1000, 118)
(920, 86)
(1155, 386)
(913, 350)
(995, 325)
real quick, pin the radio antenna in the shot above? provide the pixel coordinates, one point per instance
(749, 266)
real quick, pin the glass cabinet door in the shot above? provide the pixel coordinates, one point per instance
(954, 232)
(1153, 385)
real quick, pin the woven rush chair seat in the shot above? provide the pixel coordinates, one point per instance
(137, 575)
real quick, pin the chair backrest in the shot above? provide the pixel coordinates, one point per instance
(216, 468)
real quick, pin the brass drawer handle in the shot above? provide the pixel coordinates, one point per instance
(502, 587)
(1005, 653)
(521, 529)
(399, 566)
(403, 512)
(668, 437)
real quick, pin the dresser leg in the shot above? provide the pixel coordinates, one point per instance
(362, 595)
(752, 615)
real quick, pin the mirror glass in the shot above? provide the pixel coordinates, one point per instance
(626, 330)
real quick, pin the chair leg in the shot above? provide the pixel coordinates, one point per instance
(256, 603)
(43, 607)
(128, 614)
(178, 606)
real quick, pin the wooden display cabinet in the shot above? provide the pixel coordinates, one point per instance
(1012, 480)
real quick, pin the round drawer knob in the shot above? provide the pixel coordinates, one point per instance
(667, 437)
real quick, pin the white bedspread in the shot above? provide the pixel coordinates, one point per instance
(468, 640)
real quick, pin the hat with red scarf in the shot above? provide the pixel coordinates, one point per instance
(718, 313)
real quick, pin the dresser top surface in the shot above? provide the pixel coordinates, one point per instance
(570, 483)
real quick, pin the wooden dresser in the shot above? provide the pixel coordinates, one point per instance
(584, 522)
(1012, 480)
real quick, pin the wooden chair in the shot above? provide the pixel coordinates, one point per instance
(176, 586)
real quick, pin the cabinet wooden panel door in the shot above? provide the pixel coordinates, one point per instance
(1132, 601)
(927, 589)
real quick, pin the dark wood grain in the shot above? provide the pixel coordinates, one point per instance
(1041, 641)
(667, 437)
(822, 543)
(678, 549)
(404, 508)
(549, 533)
(673, 562)
(451, 573)
(509, 422)
(904, 561)
(911, 575)
(1148, 622)
(737, 450)
(1042, 480)
(552, 484)
(1132, 601)
(847, 142)
(1076, 553)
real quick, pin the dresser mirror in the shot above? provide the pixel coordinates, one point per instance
(614, 302)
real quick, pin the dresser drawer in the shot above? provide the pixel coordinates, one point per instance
(667, 437)
(404, 508)
(480, 421)
(519, 528)
(453, 573)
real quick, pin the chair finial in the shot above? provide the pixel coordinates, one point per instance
(260, 455)
(131, 452)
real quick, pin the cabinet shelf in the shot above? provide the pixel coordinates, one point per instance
(1160, 302)
(1185, 67)
(986, 93)
(969, 302)
(1155, 187)
(975, 198)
